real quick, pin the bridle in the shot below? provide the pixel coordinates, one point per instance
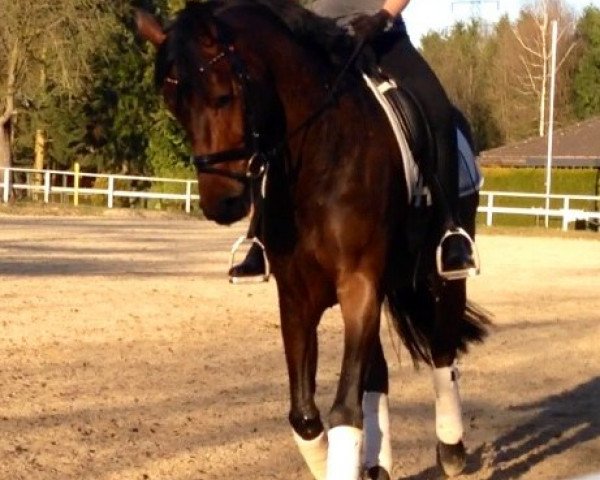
(252, 150)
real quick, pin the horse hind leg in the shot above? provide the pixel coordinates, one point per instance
(450, 450)
(449, 310)
(377, 448)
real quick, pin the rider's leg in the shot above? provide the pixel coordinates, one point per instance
(399, 58)
(253, 264)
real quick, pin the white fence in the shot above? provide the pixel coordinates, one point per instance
(488, 199)
(48, 182)
(44, 182)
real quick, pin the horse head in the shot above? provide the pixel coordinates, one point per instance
(206, 86)
(246, 80)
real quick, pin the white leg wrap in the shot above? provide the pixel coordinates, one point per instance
(343, 460)
(314, 453)
(448, 413)
(378, 441)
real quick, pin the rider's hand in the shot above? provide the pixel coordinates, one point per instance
(367, 27)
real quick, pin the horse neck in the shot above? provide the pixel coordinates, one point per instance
(334, 146)
(297, 78)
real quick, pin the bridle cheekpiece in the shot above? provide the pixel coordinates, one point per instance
(251, 151)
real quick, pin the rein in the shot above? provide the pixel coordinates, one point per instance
(334, 90)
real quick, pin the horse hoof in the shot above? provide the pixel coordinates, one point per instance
(377, 473)
(452, 459)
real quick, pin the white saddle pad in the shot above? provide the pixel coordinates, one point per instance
(470, 179)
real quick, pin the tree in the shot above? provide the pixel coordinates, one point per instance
(499, 77)
(120, 104)
(466, 77)
(129, 129)
(48, 45)
(532, 32)
(168, 150)
(586, 81)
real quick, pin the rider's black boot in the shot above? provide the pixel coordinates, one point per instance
(456, 256)
(252, 266)
(457, 253)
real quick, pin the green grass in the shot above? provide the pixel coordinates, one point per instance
(532, 180)
(26, 207)
(519, 231)
(580, 181)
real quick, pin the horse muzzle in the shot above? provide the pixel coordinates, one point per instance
(226, 211)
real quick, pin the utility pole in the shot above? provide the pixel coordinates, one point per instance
(551, 119)
(475, 5)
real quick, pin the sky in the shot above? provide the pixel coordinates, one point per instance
(422, 16)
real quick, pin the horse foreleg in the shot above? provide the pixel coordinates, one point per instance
(450, 304)
(301, 351)
(360, 307)
(376, 421)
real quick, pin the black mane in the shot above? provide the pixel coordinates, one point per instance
(319, 34)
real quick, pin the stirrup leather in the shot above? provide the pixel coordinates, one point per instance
(457, 274)
(251, 279)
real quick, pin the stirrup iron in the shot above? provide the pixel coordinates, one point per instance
(457, 274)
(250, 279)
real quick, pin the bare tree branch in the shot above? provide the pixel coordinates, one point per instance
(55, 41)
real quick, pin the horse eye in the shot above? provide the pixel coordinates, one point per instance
(223, 100)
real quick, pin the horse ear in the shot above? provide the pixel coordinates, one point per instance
(149, 28)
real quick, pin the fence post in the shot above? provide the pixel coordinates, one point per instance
(76, 184)
(565, 216)
(111, 190)
(188, 196)
(6, 185)
(47, 186)
(490, 206)
(65, 184)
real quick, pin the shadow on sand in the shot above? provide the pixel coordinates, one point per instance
(560, 423)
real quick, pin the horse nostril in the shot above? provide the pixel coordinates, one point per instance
(230, 207)
(230, 203)
(228, 210)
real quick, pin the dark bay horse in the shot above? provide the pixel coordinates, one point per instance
(253, 91)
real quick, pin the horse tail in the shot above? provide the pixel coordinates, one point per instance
(413, 314)
(475, 325)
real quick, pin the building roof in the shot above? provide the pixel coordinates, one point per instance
(577, 145)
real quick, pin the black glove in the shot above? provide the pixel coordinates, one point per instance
(367, 27)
